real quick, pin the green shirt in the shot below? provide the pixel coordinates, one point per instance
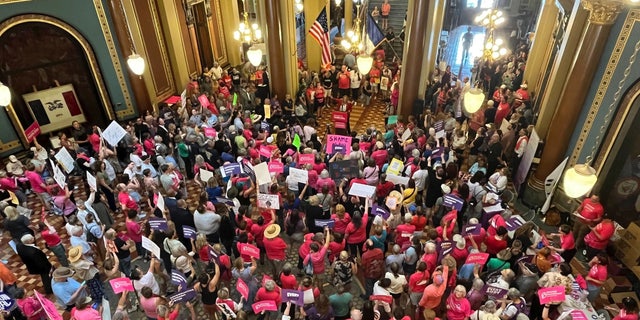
(183, 150)
(495, 264)
(340, 304)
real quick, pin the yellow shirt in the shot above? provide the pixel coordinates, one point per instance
(409, 196)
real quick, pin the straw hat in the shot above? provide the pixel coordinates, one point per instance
(504, 254)
(272, 231)
(62, 272)
(460, 242)
(75, 253)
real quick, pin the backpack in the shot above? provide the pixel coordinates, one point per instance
(375, 270)
(90, 236)
(521, 307)
(308, 268)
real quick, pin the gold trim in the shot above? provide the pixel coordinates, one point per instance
(9, 145)
(220, 34)
(621, 42)
(11, 1)
(163, 52)
(113, 52)
(13, 117)
(88, 51)
(602, 12)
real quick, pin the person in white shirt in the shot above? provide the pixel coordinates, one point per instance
(420, 178)
(147, 279)
(498, 180)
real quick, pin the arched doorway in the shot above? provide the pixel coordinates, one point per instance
(40, 52)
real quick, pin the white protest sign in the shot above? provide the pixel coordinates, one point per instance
(205, 175)
(91, 181)
(298, 175)
(151, 246)
(268, 201)
(362, 190)
(59, 177)
(65, 159)
(113, 133)
(405, 135)
(262, 173)
(160, 203)
(398, 179)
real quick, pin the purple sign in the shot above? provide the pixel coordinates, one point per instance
(444, 248)
(6, 303)
(179, 279)
(295, 296)
(226, 201)
(183, 296)
(189, 232)
(158, 224)
(453, 201)
(230, 169)
(471, 229)
(513, 223)
(321, 223)
(380, 211)
(494, 293)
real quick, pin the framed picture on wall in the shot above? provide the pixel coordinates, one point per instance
(55, 108)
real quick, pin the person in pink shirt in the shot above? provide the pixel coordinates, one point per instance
(317, 255)
(567, 243)
(405, 231)
(134, 231)
(597, 240)
(629, 310)
(94, 139)
(275, 248)
(341, 219)
(380, 155)
(356, 232)
(127, 203)
(458, 307)
(37, 185)
(318, 165)
(432, 295)
(325, 180)
(313, 176)
(597, 275)
(305, 248)
(83, 310)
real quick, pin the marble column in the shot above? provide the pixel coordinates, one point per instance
(412, 61)
(602, 15)
(438, 7)
(275, 52)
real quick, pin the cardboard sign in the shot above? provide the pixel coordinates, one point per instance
(453, 201)
(204, 101)
(268, 201)
(395, 167)
(205, 175)
(59, 177)
(49, 307)
(172, 100)
(32, 131)
(381, 298)
(478, 257)
(321, 223)
(306, 158)
(494, 293)
(397, 180)
(91, 181)
(151, 246)
(362, 190)
(6, 303)
(250, 250)
(230, 169)
(210, 132)
(444, 248)
(65, 159)
(183, 296)
(337, 143)
(439, 126)
(121, 285)
(340, 125)
(189, 232)
(340, 117)
(267, 305)
(265, 151)
(158, 224)
(226, 310)
(242, 288)
(261, 171)
(578, 315)
(377, 210)
(514, 223)
(275, 167)
(392, 119)
(298, 175)
(471, 229)
(391, 202)
(179, 279)
(295, 296)
(551, 294)
(226, 201)
(339, 170)
(113, 133)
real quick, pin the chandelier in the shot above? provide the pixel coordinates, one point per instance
(135, 62)
(250, 34)
(493, 48)
(354, 40)
(5, 95)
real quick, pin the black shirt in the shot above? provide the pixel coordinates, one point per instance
(122, 254)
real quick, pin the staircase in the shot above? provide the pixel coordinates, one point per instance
(396, 21)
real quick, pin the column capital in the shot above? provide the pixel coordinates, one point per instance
(602, 12)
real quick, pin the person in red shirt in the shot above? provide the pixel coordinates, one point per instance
(257, 230)
(598, 239)
(288, 279)
(597, 275)
(54, 243)
(317, 255)
(341, 219)
(356, 232)
(269, 292)
(127, 203)
(134, 231)
(384, 188)
(344, 82)
(418, 282)
(305, 247)
(275, 248)
(588, 214)
(405, 231)
(567, 243)
(373, 265)
(496, 242)
(319, 99)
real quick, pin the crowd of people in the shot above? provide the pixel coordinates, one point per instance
(193, 166)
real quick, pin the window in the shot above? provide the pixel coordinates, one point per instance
(472, 3)
(487, 4)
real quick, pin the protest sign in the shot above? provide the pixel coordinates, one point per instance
(268, 201)
(226, 310)
(471, 229)
(204, 101)
(377, 210)
(514, 223)
(179, 279)
(226, 201)
(494, 293)
(453, 201)
(339, 116)
(158, 224)
(113, 133)
(65, 159)
(189, 232)
(298, 175)
(398, 180)
(242, 288)
(230, 169)
(275, 167)
(477, 257)
(32, 131)
(578, 315)
(321, 223)
(265, 151)
(59, 177)
(6, 303)
(210, 132)
(339, 170)
(262, 173)
(183, 296)
(395, 167)
(392, 119)
(91, 181)
(266, 305)
(121, 285)
(439, 126)
(551, 294)
(295, 296)
(444, 248)
(151, 246)
(381, 298)
(49, 307)
(249, 250)
(306, 158)
(362, 190)
(205, 175)
(337, 143)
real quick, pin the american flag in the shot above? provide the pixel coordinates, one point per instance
(320, 31)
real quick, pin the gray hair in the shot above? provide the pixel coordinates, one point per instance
(477, 284)
(269, 285)
(513, 293)
(27, 239)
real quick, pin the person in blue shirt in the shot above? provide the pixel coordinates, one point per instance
(65, 288)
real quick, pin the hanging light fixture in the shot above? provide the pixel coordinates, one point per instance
(135, 62)
(581, 178)
(493, 48)
(473, 100)
(355, 40)
(299, 6)
(251, 34)
(5, 95)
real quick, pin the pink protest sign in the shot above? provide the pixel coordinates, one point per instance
(265, 278)
(478, 257)
(276, 167)
(250, 250)
(243, 289)
(578, 315)
(204, 101)
(265, 151)
(210, 132)
(387, 299)
(306, 158)
(337, 143)
(267, 305)
(121, 284)
(551, 294)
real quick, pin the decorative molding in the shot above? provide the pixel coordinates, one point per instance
(623, 37)
(11, 1)
(602, 12)
(219, 32)
(113, 52)
(7, 146)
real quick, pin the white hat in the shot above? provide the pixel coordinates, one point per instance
(504, 86)
(490, 102)
(270, 140)
(445, 189)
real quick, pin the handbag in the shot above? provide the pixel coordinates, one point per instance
(308, 268)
